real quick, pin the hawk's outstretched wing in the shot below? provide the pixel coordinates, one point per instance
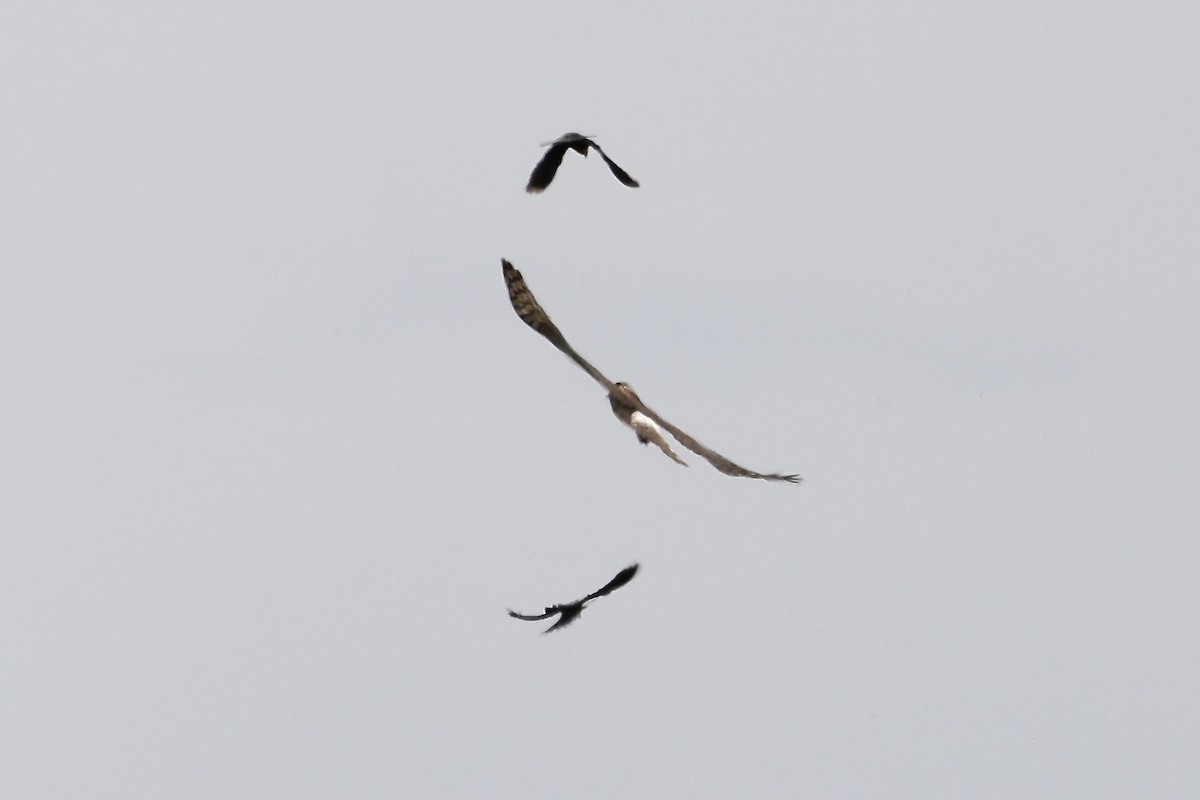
(532, 314)
(720, 462)
(623, 577)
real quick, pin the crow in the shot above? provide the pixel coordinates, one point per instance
(543, 173)
(568, 612)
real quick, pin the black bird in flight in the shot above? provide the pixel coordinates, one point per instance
(568, 612)
(543, 173)
(626, 405)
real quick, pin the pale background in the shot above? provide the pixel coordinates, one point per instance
(276, 454)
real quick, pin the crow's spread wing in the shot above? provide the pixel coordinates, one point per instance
(544, 172)
(623, 577)
(550, 612)
(623, 176)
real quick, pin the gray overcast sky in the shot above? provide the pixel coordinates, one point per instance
(276, 454)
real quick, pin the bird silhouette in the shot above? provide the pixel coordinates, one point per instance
(626, 405)
(569, 612)
(544, 172)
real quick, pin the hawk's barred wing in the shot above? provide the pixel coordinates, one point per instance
(532, 314)
(623, 577)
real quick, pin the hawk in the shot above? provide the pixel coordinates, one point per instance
(543, 173)
(569, 612)
(626, 405)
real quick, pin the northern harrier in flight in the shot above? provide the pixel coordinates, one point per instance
(543, 173)
(568, 612)
(626, 405)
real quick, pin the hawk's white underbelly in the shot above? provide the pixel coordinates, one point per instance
(643, 424)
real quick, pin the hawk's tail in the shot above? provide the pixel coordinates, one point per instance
(648, 432)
